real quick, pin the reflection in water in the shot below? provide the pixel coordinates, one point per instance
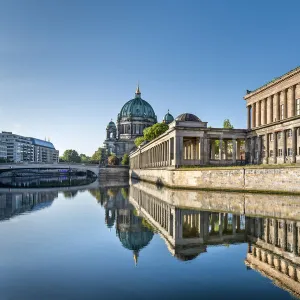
(274, 244)
(191, 224)
(12, 204)
(131, 229)
(37, 182)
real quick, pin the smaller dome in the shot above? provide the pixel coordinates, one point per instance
(111, 124)
(188, 117)
(168, 118)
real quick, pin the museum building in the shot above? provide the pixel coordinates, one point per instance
(272, 136)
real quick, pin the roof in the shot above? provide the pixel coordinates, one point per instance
(273, 81)
(188, 117)
(42, 143)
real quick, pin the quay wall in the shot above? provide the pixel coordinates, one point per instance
(285, 179)
(113, 172)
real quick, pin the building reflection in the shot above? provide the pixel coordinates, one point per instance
(187, 232)
(15, 203)
(132, 230)
(274, 250)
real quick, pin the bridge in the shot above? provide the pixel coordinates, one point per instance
(9, 167)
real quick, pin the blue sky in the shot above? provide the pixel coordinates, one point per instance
(67, 67)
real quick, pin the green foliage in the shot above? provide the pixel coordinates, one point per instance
(113, 160)
(139, 140)
(71, 156)
(155, 131)
(124, 192)
(84, 158)
(99, 155)
(227, 124)
(125, 160)
(2, 160)
(151, 133)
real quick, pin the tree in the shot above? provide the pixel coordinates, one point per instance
(151, 133)
(227, 124)
(155, 131)
(99, 155)
(71, 156)
(113, 160)
(139, 140)
(84, 158)
(125, 159)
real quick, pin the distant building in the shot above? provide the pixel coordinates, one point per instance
(136, 115)
(26, 149)
(3, 150)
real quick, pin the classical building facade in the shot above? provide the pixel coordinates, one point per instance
(189, 141)
(136, 115)
(272, 136)
(273, 112)
(27, 149)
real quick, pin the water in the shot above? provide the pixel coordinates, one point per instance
(104, 241)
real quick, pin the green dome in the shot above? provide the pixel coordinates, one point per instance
(138, 108)
(168, 118)
(111, 124)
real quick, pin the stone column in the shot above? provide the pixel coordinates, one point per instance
(252, 150)
(263, 110)
(267, 148)
(270, 109)
(249, 117)
(292, 101)
(258, 114)
(213, 149)
(234, 151)
(259, 147)
(284, 145)
(226, 149)
(294, 144)
(275, 147)
(277, 107)
(266, 232)
(238, 150)
(285, 103)
(266, 111)
(178, 150)
(253, 115)
(275, 242)
(220, 150)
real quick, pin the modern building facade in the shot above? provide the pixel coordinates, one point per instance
(273, 113)
(26, 149)
(3, 151)
(136, 115)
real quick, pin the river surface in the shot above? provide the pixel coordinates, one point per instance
(104, 241)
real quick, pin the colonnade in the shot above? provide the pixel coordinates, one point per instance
(276, 107)
(281, 264)
(224, 146)
(275, 147)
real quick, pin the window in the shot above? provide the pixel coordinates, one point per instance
(298, 107)
(289, 133)
(279, 152)
(290, 151)
(271, 153)
(280, 224)
(281, 111)
(279, 135)
(290, 228)
(289, 247)
(271, 136)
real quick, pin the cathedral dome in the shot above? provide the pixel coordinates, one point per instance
(135, 240)
(168, 118)
(188, 117)
(137, 107)
(111, 125)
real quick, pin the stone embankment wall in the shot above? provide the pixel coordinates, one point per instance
(114, 172)
(245, 179)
